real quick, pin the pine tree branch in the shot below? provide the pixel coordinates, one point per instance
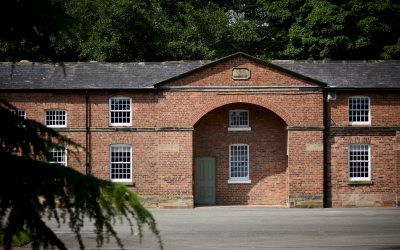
(48, 233)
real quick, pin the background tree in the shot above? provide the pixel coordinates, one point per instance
(122, 30)
(156, 30)
(31, 189)
(28, 29)
(344, 30)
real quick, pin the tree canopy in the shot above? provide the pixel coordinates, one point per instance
(32, 189)
(156, 30)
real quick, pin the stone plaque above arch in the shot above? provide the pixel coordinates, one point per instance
(239, 73)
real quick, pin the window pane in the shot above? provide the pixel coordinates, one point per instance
(120, 111)
(359, 161)
(21, 114)
(239, 161)
(57, 155)
(238, 118)
(55, 118)
(120, 162)
(359, 109)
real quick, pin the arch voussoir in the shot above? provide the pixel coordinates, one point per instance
(245, 99)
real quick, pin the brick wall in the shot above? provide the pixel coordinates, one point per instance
(384, 173)
(185, 108)
(35, 105)
(306, 173)
(383, 190)
(385, 109)
(143, 157)
(143, 107)
(397, 150)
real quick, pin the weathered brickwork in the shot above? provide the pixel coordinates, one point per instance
(383, 189)
(171, 127)
(295, 108)
(384, 174)
(306, 171)
(35, 105)
(385, 109)
(143, 107)
(397, 151)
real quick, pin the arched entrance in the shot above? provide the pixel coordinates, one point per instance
(242, 148)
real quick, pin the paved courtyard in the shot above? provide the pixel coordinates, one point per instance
(261, 228)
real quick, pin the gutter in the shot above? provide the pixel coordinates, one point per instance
(362, 89)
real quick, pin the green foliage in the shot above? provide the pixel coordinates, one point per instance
(197, 34)
(31, 189)
(28, 29)
(120, 30)
(154, 30)
(18, 240)
(318, 32)
(344, 30)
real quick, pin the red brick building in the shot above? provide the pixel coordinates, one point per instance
(233, 131)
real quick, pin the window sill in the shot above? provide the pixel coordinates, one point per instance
(360, 182)
(361, 124)
(239, 181)
(126, 183)
(239, 129)
(120, 125)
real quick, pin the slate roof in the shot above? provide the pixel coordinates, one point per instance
(348, 74)
(90, 75)
(93, 75)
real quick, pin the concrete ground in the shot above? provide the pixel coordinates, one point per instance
(260, 228)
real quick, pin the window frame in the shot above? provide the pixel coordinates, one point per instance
(17, 113)
(349, 150)
(126, 180)
(239, 180)
(64, 148)
(56, 126)
(369, 111)
(239, 127)
(111, 124)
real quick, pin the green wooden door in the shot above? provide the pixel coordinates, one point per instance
(205, 181)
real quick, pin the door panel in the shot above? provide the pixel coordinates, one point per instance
(205, 181)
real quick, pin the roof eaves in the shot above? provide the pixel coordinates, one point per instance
(363, 88)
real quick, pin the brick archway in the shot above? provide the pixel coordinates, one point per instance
(265, 144)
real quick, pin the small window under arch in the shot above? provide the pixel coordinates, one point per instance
(239, 120)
